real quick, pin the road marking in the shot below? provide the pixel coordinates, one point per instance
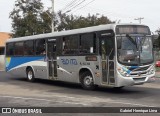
(37, 99)
(85, 104)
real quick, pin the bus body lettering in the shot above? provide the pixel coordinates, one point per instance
(69, 61)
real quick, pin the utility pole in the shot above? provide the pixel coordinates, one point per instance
(140, 19)
(52, 16)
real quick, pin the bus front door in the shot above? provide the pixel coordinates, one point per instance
(107, 57)
(52, 59)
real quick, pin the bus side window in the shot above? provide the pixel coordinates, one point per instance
(10, 49)
(29, 48)
(70, 45)
(88, 43)
(19, 48)
(40, 47)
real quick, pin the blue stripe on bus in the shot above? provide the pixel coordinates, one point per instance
(131, 68)
(134, 67)
(16, 61)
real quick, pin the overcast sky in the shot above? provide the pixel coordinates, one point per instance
(124, 11)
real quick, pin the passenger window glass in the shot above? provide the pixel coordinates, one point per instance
(29, 48)
(70, 45)
(10, 49)
(19, 51)
(88, 44)
(40, 47)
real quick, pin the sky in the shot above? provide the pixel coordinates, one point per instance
(123, 11)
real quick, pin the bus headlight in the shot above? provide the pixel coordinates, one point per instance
(151, 71)
(122, 72)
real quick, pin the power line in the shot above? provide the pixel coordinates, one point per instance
(70, 4)
(102, 11)
(84, 5)
(93, 9)
(76, 5)
(98, 10)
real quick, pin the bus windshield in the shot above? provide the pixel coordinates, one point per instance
(134, 50)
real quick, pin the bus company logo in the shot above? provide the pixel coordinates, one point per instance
(139, 74)
(6, 110)
(69, 61)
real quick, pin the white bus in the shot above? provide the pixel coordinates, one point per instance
(114, 55)
(2, 59)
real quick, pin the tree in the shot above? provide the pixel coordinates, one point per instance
(28, 18)
(157, 42)
(68, 22)
(46, 21)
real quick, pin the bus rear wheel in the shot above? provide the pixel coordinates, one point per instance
(87, 81)
(30, 75)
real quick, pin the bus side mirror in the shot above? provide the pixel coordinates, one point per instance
(119, 43)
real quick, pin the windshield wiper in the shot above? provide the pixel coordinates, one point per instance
(131, 39)
(143, 40)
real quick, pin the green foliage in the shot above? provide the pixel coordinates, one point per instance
(68, 22)
(158, 41)
(30, 18)
(157, 68)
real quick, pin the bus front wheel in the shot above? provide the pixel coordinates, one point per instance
(87, 81)
(30, 75)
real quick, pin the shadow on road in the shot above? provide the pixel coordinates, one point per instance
(64, 87)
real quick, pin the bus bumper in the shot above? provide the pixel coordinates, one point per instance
(130, 81)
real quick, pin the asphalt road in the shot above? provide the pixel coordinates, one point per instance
(18, 92)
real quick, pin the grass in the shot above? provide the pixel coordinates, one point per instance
(157, 68)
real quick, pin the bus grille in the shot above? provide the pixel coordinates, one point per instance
(140, 69)
(138, 73)
(139, 79)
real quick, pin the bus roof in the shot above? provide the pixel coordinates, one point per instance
(69, 32)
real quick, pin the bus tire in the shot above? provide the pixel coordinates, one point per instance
(87, 81)
(30, 75)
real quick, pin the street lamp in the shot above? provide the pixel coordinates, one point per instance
(139, 19)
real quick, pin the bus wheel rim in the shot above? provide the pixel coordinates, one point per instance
(30, 75)
(88, 80)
